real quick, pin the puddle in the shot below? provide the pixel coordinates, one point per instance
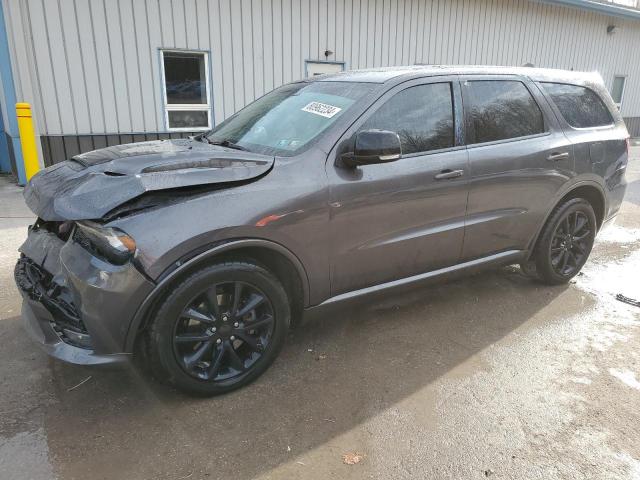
(30, 451)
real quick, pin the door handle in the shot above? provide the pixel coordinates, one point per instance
(555, 156)
(448, 173)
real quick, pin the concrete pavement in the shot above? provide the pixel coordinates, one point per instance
(488, 376)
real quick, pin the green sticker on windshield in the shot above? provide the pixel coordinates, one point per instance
(321, 109)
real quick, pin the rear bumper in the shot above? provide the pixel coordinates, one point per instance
(38, 324)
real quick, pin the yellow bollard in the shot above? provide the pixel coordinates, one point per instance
(27, 140)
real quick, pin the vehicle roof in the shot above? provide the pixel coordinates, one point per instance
(387, 74)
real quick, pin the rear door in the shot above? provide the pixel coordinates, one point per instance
(599, 139)
(395, 220)
(518, 159)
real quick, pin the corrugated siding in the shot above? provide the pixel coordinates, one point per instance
(57, 148)
(92, 66)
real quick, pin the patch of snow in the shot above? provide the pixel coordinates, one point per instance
(626, 376)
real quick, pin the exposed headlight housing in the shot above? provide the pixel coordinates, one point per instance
(112, 244)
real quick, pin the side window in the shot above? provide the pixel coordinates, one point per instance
(501, 109)
(422, 116)
(581, 107)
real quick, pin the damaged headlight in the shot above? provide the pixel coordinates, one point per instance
(110, 243)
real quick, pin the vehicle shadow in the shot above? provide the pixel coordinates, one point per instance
(341, 367)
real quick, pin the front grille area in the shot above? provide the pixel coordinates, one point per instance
(62, 230)
(38, 285)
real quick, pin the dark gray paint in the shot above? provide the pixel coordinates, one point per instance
(347, 232)
(97, 289)
(379, 229)
(519, 170)
(71, 191)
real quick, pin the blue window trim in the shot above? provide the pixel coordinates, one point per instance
(8, 101)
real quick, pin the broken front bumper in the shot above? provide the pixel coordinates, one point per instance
(77, 306)
(39, 323)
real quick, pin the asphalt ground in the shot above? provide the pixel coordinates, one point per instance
(492, 375)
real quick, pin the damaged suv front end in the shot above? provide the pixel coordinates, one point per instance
(75, 278)
(201, 249)
(80, 277)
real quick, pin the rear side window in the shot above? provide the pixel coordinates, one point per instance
(501, 109)
(422, 116)
(581, 107)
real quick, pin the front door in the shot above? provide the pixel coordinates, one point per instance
(395, 220)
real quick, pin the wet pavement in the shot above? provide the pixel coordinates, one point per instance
(488, 376)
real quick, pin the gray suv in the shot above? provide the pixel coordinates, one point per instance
(199, 254)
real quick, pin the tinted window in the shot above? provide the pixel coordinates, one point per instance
(422, 116)
(501, 109)
(185, 90)
(581, 107)
(184, 78)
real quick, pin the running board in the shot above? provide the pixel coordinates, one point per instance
(501, 257)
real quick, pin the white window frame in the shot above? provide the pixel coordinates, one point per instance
(196, 107)
(329, 62)
(624, 87)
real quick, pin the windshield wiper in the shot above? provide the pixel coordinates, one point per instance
(227, 143)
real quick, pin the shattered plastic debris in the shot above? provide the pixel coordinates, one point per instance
(352, 458)
(628, 300)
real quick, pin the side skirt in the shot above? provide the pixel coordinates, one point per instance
(506, 257)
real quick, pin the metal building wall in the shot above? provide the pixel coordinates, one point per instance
(91, 67)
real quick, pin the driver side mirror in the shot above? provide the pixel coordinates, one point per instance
(373, 146)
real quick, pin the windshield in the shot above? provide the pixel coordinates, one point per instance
(290, 117)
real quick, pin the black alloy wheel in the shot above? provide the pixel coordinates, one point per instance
(565, 242)
(219, 329)
(223, 331)
(570, 244)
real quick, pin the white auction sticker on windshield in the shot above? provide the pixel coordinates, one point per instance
(321, 109)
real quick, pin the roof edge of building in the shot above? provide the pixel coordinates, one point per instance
(611, 9)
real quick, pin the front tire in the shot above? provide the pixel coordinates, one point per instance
(565, 242)
(219, 329)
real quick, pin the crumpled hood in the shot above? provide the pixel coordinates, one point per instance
(91, 184)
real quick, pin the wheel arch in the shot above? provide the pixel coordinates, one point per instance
(278, 259)
(590, 191)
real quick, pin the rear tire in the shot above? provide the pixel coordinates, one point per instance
(565, 242)
(219, 329)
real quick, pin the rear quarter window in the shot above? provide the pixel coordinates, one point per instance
(581, 107)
